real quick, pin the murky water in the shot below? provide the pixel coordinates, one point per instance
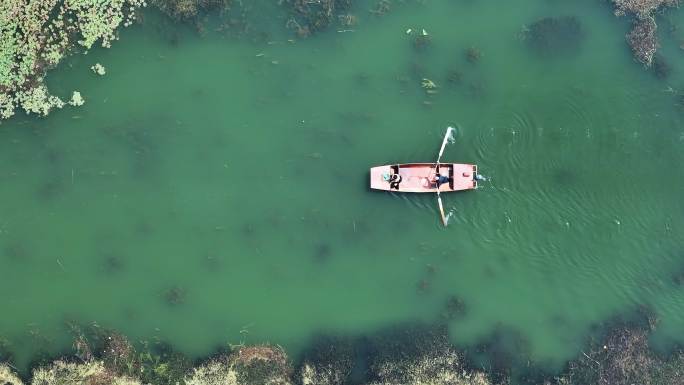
(214, 189)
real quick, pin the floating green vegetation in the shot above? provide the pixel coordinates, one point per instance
(36, 35)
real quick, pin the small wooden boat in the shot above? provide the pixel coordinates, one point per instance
(420, 177)
(435, 177)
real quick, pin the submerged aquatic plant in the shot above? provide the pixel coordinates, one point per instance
(421, 38)
(454, 76)
(660, 67)
(642, 40)
(314, 16)
(175, 296)
(381, 7)
(554, 35)
(473, 54)
(454, 308)
(323, 252)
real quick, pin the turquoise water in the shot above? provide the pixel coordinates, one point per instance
(214, 188)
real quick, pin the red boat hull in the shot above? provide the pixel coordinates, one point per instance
(419, 177)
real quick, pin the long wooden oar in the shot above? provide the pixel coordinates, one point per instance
(441, 208)
(439, 198)
(444, 143)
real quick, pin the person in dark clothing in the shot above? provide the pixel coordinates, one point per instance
(394, 181)
(440, 179)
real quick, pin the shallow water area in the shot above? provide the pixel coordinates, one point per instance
(213, 189)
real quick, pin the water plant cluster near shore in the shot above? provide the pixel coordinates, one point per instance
(418, 355)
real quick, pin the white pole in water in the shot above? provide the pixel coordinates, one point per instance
(441, 150)
(444, 142)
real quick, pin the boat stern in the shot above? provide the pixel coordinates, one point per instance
(464, 177)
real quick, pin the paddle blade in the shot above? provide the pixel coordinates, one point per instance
(441, 209)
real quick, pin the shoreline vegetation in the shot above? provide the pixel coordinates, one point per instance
(36, 35)
(413, 355)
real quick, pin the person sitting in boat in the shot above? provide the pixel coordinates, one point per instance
(394, 180)
(440, 179)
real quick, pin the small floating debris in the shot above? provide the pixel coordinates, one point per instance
(428, 84)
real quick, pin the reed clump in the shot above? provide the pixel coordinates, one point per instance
(623, 357)
(440, 367)
(70, 373)
(413, 356)
(8, 377)
(261, 364)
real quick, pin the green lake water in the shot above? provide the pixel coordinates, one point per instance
(233, 171)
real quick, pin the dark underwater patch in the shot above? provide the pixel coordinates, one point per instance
(554, 36)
